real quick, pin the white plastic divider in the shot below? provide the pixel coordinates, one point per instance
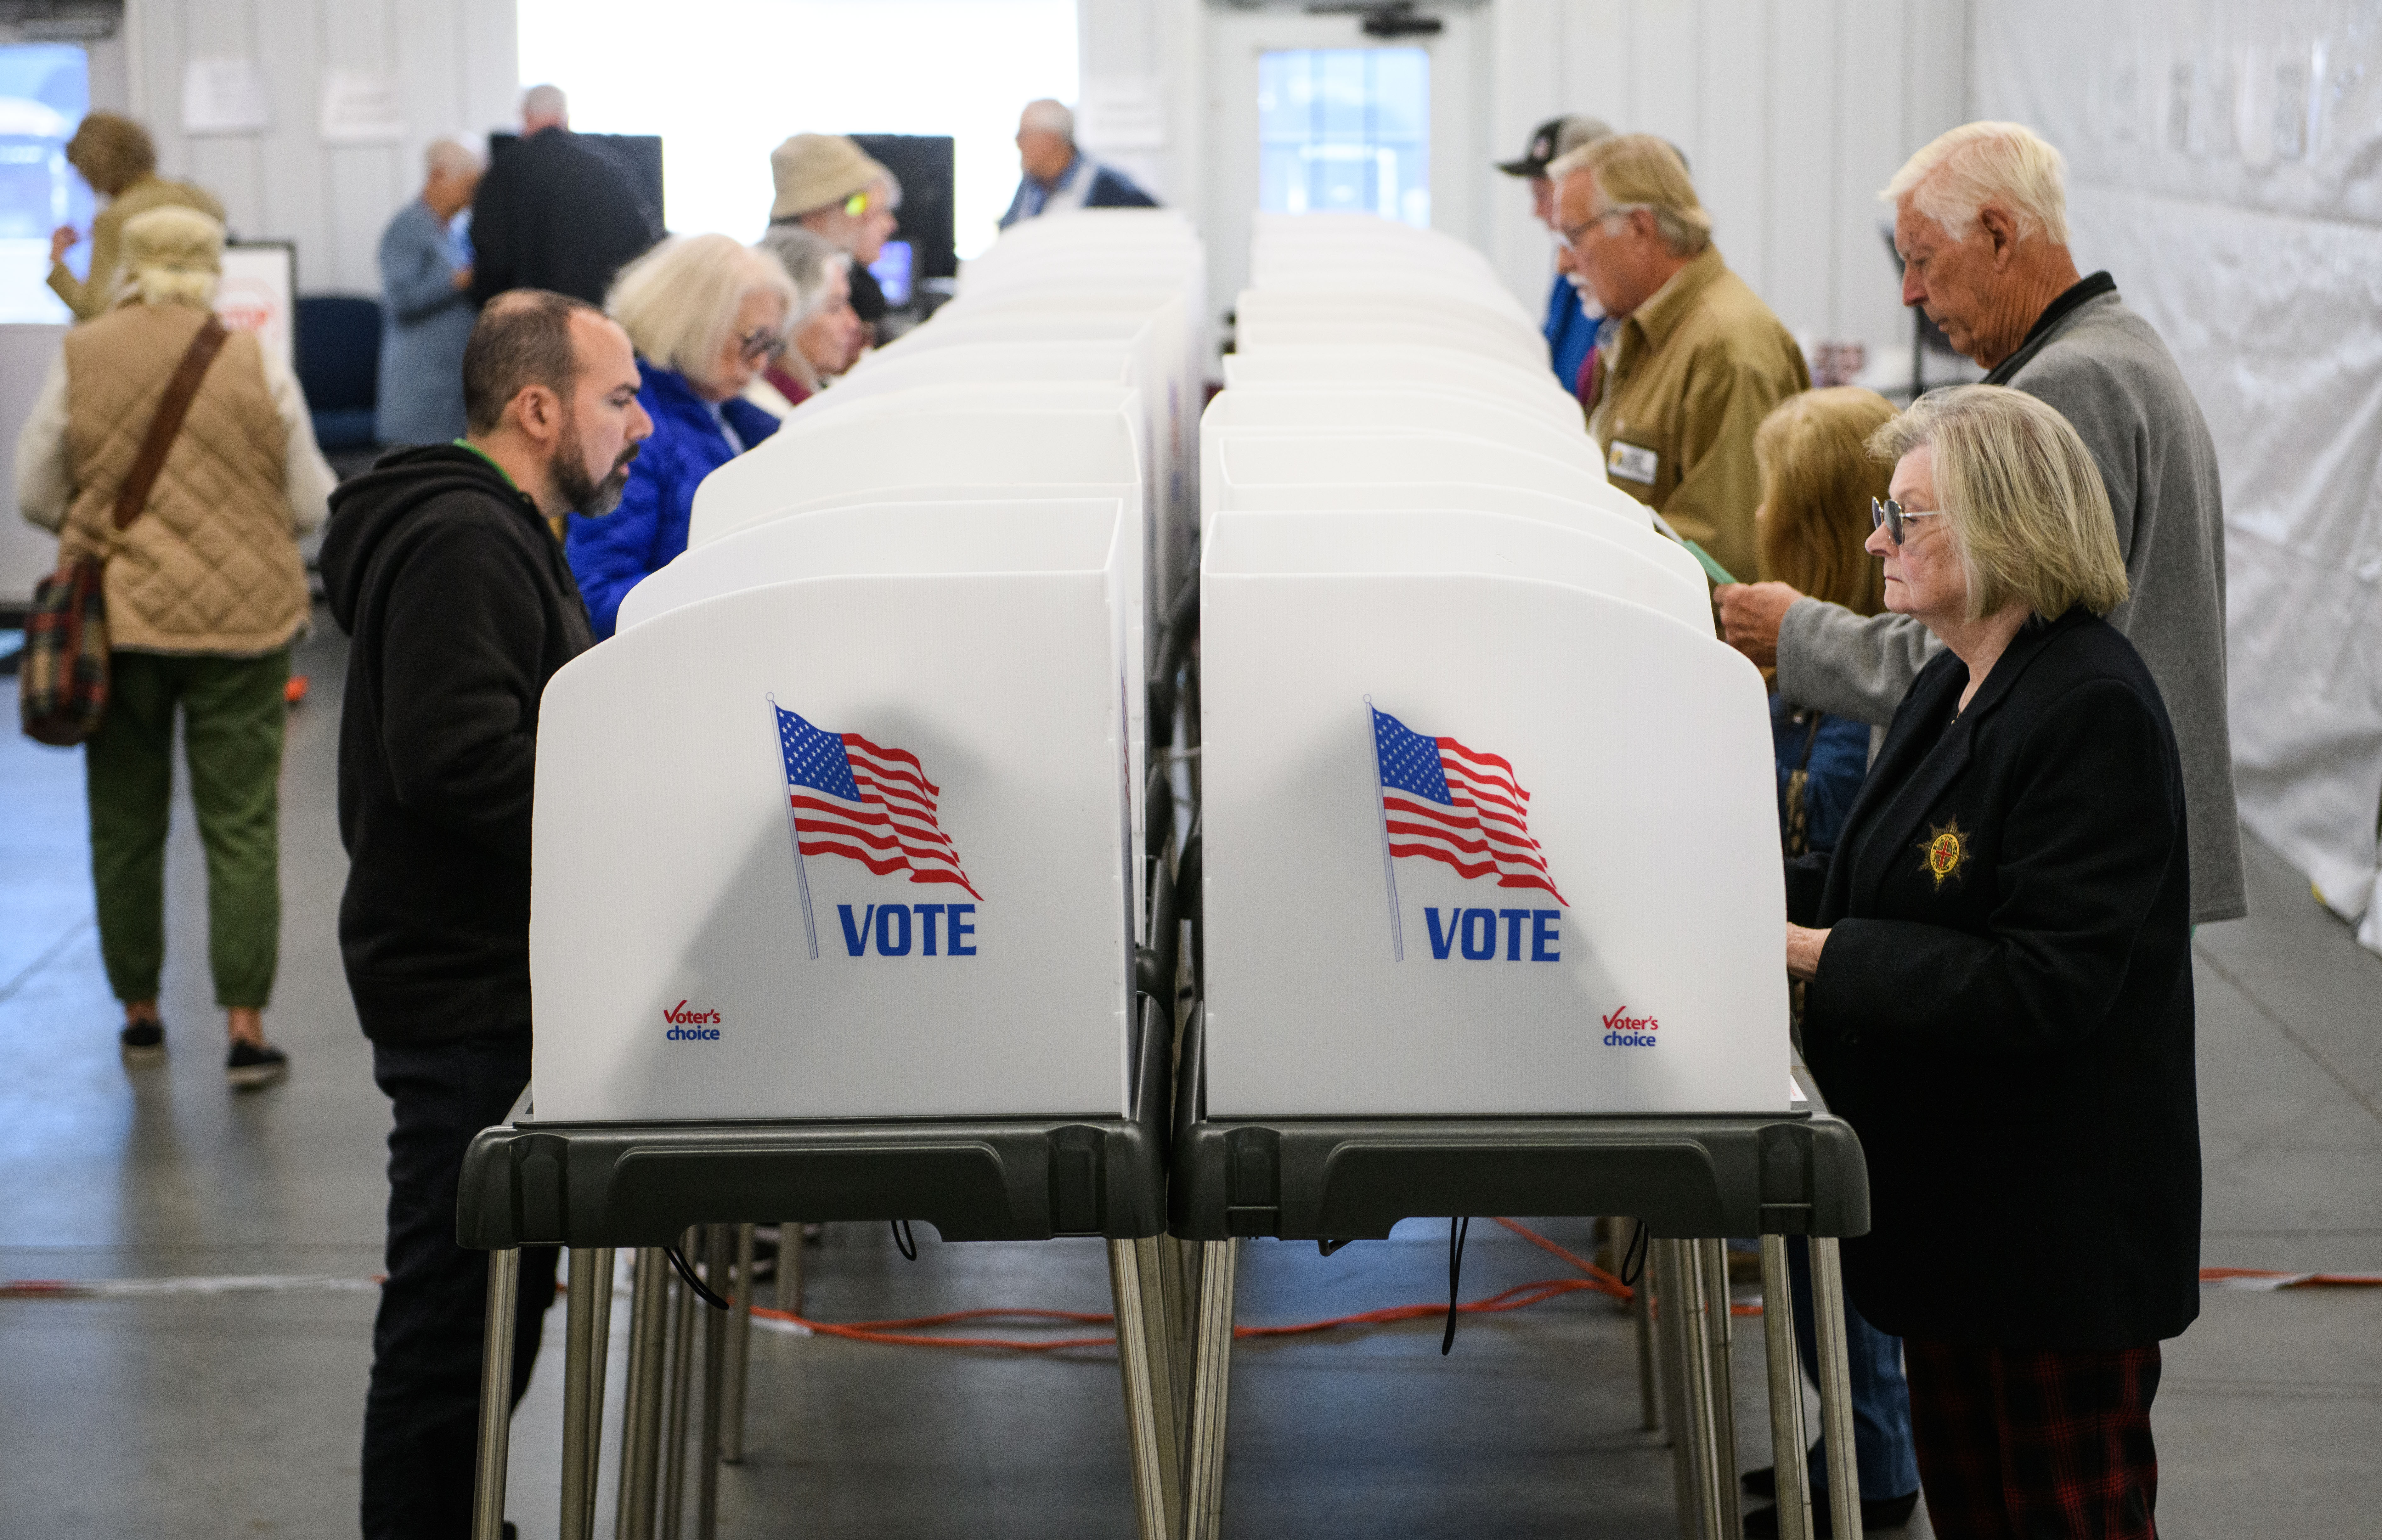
(1524, 390)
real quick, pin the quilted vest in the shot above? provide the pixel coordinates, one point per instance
(210, 567)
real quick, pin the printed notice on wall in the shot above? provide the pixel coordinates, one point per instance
(361, 106)
(224, 96)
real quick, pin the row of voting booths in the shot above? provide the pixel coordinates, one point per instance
(1043, 800)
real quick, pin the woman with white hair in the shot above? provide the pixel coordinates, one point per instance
(826, 336)
(204, 595)
(705, 313)
(1999, 988)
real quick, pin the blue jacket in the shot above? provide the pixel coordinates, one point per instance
(1839, 764)
(1570, 332)
(425, 321)
(612, 554)
(1109, 189)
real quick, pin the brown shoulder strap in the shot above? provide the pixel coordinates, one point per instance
(180, 392)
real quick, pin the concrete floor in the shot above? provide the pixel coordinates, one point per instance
(239, 1414)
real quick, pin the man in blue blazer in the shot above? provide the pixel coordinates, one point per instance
(1059, 178)
(426, 277)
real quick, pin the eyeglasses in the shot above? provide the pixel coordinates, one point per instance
(760, 344)
(1571, 233)
(1891, 514)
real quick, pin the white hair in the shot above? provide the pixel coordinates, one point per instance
(808, 259)
(450, 156)
(678, 302)
(545, 100)
(2007, 165)
(1051, 117)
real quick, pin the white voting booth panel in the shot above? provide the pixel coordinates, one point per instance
(1520, 352)
(1596, 561)
(1390, 409)
(1254, 457)
(1626, 961)
(953, 936)
(990, 364)
(1359, 304)
(1441, 369)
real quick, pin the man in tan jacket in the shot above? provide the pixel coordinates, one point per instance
(205, 593)
(117, 158)
(1689, 358)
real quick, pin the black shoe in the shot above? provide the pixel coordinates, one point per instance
(142, 1041)
(253, 1065)
(1885, 1513)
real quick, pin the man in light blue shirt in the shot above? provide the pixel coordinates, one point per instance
(425, 273)
(1570, 329)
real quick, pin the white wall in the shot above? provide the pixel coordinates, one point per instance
(454, 64)
(1792, 115)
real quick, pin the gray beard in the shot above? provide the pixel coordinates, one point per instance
(580, 492)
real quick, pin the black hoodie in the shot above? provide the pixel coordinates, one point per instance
(462, 607)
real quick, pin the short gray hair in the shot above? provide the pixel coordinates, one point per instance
(1963, 170)
(2021, 494)
(807, 258)
(1051, 117)
(545, 100)
(452, 155)
(678, 302)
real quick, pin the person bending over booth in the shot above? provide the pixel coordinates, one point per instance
(444, 562)
(705, 314)
(826, 335)
(1998, 987)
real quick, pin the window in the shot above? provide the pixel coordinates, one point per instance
(44, 91)
(1345, 131)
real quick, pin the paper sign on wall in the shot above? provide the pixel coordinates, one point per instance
(224, 96)
(361, 106)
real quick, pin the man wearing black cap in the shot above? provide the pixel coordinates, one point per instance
(1571, 331)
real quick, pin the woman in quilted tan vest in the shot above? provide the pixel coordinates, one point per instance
(206, 595)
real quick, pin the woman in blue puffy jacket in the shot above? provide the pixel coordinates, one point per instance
(707, 315)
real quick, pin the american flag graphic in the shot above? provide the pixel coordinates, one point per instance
(853, 798)
(1457, 806)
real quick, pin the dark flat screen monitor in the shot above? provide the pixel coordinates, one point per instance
(639, 154)
(923, 162)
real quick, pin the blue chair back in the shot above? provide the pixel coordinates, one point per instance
(339, 365)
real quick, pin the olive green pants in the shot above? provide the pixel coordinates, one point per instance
(233, 718)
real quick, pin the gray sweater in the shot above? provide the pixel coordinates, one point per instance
(2109, 375)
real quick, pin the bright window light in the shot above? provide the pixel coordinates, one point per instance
(723, 81)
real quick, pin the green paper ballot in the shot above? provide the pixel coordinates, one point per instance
(1718, 572)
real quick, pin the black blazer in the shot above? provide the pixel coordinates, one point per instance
(557, 212)
(2003, 1010)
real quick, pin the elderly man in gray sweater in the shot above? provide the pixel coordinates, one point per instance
(1981, 219)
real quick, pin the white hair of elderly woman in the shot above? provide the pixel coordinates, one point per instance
(452, 155)
(1965, 169)
(678, 302)
(807, 258)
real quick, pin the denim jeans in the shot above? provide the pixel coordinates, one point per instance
(422, 1415)
(1883, 1448)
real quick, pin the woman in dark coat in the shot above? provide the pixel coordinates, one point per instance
(1999, 992)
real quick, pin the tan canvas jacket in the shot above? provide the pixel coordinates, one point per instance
(1694, 369)
(212, 565)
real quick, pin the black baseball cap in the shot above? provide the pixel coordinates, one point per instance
(1554, 137)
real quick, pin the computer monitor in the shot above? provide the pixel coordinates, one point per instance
(923, 162)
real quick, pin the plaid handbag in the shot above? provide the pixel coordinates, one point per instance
(62, 678)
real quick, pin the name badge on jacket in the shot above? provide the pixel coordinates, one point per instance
(1632, 463)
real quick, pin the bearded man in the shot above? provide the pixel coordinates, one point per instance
(445, 564)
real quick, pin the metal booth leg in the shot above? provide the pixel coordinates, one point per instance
(740, 1349)
(1835, 1387)
(641, 1417)
(682, 1343)
(1722, 1327)
(587, 1337)
(789, 1266)
(496, 1395)
(1212, 1368)
(1642, 1311)
(1786, 1441)
(715, 1355)
(1687, 1364)
(1146, 1365)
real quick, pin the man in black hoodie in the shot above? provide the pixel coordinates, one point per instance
(445, 564)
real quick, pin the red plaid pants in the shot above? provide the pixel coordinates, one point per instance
(2035, 1442)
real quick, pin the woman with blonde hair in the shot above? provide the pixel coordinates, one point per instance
(117, 158)
(1998, 987)
(205, 593)
(705, 313)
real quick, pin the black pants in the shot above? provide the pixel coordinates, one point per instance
(422, 1418)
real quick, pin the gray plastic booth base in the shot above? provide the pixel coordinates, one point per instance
(1354, 1179)
(528, 1183)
